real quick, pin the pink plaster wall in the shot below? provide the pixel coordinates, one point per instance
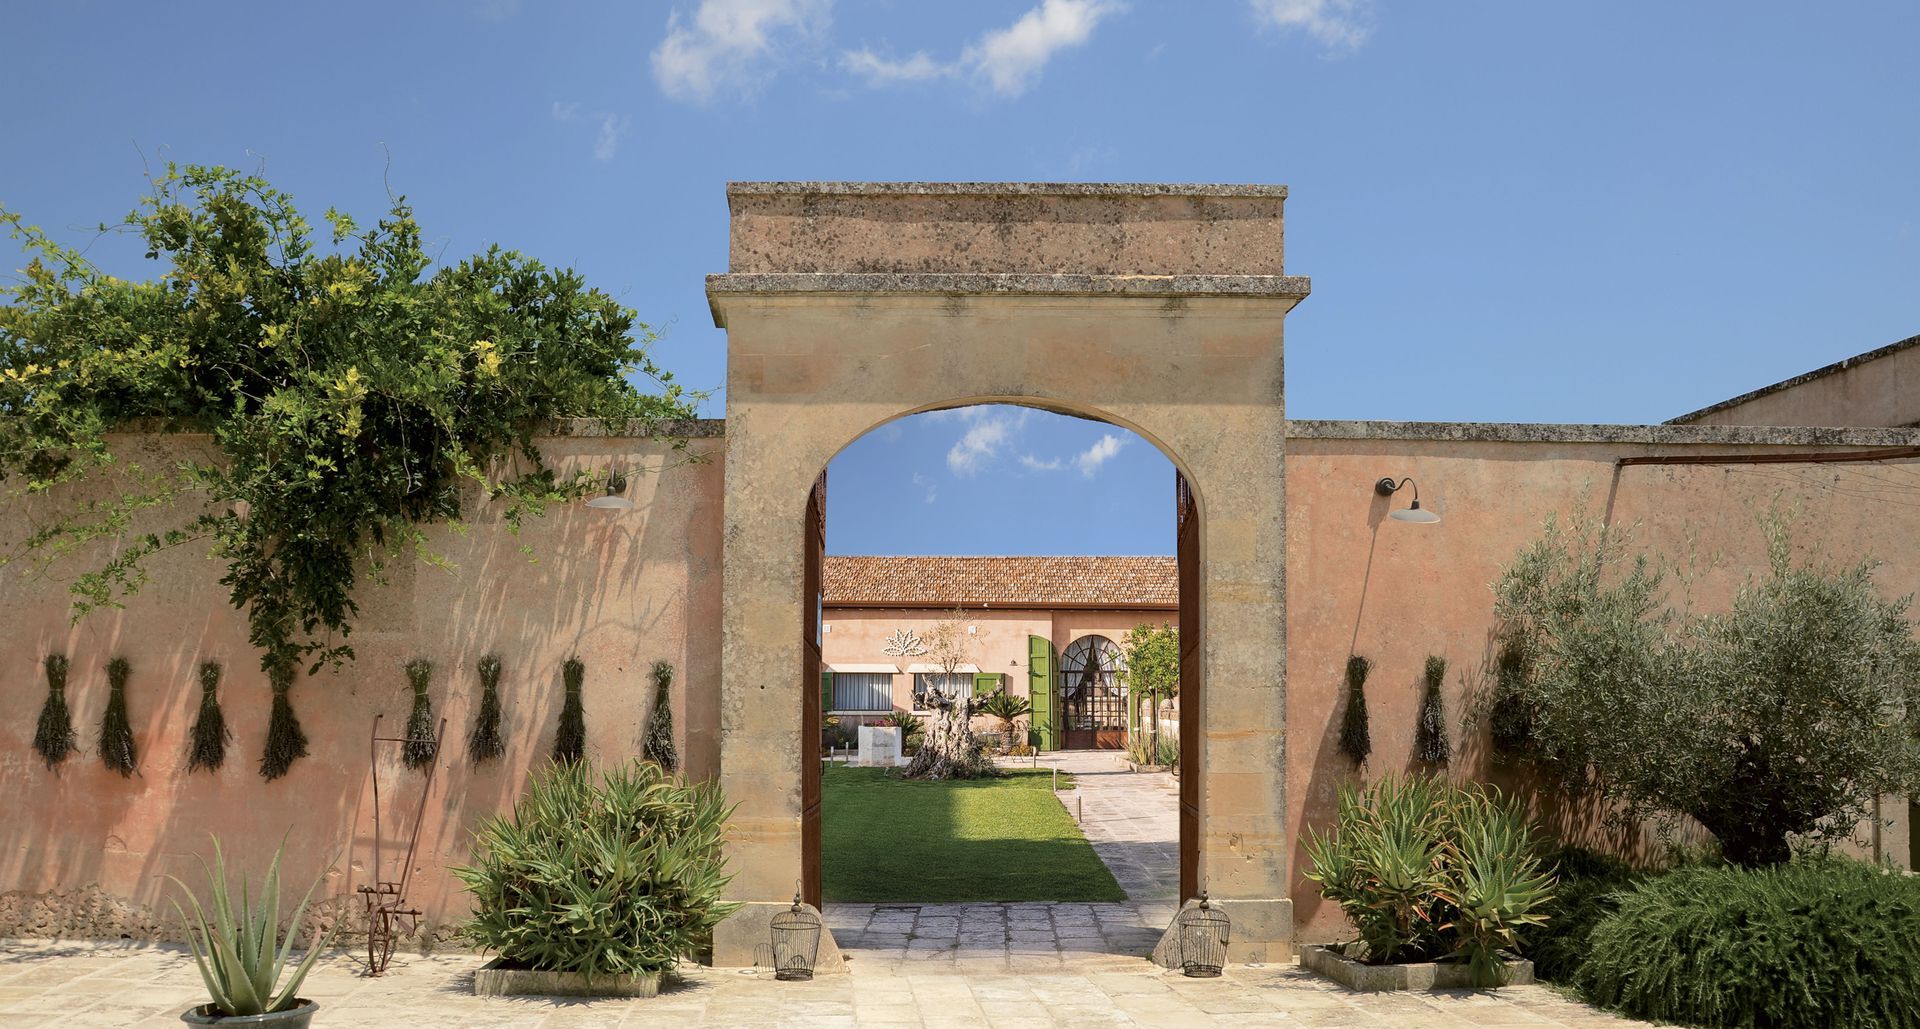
(619, 589)
(1396, 592)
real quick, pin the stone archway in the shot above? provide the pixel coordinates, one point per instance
(1157, 308)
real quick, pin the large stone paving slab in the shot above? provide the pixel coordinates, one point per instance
(87, 985)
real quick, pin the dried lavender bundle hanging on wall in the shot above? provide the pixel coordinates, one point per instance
(484, 743)
(570, 742)
(285, 740)
(116, 732)
(1512, 716)
(54, 737)
(207, 746)
(422, 742)
(658, 747)
(1430, 739)
(1355, 740)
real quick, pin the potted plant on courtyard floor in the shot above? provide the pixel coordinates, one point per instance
(240, 957)
(1008, 709)
(597, 885)
(1436, 879)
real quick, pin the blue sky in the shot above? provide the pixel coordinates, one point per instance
(1569, 211)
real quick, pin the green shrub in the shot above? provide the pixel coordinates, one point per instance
(1583, 896)
(1811, 943)
(1426, 870)
(613, 875)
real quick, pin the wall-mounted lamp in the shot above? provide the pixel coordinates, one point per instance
(613, 501)
(1412, 513)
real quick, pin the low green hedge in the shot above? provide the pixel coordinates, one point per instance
(1813, 943)
(1585, 895)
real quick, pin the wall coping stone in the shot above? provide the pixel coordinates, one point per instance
(1523, 432)
(1350, 429)
(1281, 287)
(1082, 189)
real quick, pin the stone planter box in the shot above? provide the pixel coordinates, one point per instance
(1146, 768)
(1331, 961)
(494, 979)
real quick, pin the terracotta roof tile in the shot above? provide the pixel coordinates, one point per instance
(1001, 581)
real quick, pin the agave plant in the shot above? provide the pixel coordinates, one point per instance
(237, 953)
(1424, 870)
(1495, 883)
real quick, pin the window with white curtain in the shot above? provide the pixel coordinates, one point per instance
(959, 685)
(862, 691)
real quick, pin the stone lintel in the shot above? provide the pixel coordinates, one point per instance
(1288, 288)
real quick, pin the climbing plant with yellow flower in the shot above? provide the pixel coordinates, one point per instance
(355, 394)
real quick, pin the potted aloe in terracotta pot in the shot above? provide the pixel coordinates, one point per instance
(241, 958)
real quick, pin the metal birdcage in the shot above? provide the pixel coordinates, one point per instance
(796, 942)
(1203, 940)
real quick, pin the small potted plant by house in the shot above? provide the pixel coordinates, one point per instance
(242, 961)
(597, 885)
(1009, 709)
(1436, 879)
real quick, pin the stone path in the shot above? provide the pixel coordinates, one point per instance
(94, 986)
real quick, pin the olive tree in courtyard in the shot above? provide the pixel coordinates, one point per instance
(1782, 716)
(947, 750)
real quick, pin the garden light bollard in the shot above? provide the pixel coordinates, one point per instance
(1203, 940)
(796, 943)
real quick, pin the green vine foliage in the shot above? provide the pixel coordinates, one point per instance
(423, 739)
(117, 750)
(659, 747)
(207, 747)
(484, 743)
(353, 396)
(53, 734)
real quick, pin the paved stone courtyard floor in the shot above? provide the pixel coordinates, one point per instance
(993, 966)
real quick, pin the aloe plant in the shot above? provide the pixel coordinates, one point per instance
(237, 953)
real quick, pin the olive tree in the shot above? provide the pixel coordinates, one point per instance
(1783, 715)
(947, 751)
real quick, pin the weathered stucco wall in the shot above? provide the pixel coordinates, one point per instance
(82, 850)
(1396, 592)
(1879, 387)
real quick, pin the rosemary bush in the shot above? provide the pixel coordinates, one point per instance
(570, 739)
(1430, 739)
(423, 737)
(53, 734)
(207, 744)
(618, 874)
(1813, 943)
(117, 750)
(659, 747)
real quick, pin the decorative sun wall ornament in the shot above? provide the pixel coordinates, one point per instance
(904, 643)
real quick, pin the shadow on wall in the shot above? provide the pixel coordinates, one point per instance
(83, 852)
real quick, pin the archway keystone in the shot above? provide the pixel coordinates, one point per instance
(1156, 307)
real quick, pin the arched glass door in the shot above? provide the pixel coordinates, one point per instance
(1093, 700)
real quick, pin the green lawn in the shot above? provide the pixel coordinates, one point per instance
(891, 839)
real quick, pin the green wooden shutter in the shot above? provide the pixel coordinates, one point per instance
(985, 683)
(1040, 692)
(826, 693)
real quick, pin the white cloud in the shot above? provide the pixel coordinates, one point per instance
(979, 444)
(1034, 464)
(612, 127)
(1011, 58)
(933, 490)
(1007, 60)
(1338, 25)
(727, 44)
(1090, 459)
(879, 71)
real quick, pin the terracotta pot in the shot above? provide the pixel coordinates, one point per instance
(299, 1016)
